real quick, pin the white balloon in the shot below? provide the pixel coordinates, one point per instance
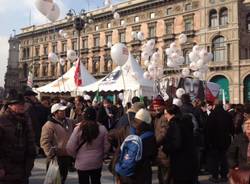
(155, 62)
(52, 57)
(165, 97)
(140, 36)
(62, 61)
(185, 72)
(171, 64)
(145, 56)
(193, 57)
(121, 96)
(196, 49)
(183, 38)
(174, 57)
(146, 75)
(151, 43)
(54, 13)
(65, 35)
(116, 16)
(109, 44)
(193, 66)
(179, 52)
(197, 74)
(180, 92)
(61, 32)
(119, 53)
(180, 60)
(177, 102)
(200, 63)
(107, 2)
(152, 68)
(173, 46)
(71, 55)
(160, 72)
(204, 69)
(169, 51)
(86, 97)
(156, 56)
(134, 35)
(44, 6)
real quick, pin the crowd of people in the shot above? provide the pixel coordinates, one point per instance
(182, 140)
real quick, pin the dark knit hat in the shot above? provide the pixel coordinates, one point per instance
(14, 98)
(30, 93)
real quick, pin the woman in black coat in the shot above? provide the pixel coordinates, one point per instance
(180, 146)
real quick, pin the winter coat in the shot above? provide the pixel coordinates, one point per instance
(55, 136)
(238, 121)
(180, 146)
(160, 127)
(219, 129)
(17, 147)
(88, 156)
(237, 152)
(104, 119)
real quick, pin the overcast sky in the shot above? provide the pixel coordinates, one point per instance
(15, 14)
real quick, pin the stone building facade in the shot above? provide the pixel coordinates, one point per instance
(11, 75)
(222, 26)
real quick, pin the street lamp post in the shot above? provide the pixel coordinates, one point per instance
(80, 21)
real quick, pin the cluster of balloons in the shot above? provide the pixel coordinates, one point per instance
(119, 54)
(48, 8)
(199, 58)
(63, 34)
(137, 35)
(71, 56)
(175, 54)
(151, 61)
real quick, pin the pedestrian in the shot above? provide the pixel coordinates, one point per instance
(55, 135)
(218, 136)
(180, 146)
(160, 127)
(142, 172)
(89, 144)
(17, 142)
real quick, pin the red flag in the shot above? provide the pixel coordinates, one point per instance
(77, 76)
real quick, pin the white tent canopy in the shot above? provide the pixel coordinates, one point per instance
(129, 78)
(66, 82)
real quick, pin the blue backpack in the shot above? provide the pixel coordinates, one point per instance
(131, 153)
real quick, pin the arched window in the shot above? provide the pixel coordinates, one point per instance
(248, 22)
(219, 49)
(223, 16)
(213, 18)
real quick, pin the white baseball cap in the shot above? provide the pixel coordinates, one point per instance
(57, 107)
(144, 116)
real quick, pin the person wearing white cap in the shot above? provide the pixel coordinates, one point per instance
(143, 172)
(55, 135)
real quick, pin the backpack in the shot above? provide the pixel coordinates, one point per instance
(130, 154)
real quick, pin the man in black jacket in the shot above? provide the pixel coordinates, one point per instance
(218, 133)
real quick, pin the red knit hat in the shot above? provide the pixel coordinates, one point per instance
(158, 101)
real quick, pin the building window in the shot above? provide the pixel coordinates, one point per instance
(108, 39)
(37, 51)
(186, 56)
(152, 31)
(188, 7)
(169, 27)
(188, 24)
(96, 28)
(109, 25)
(248, 22)
(223, 16)
(85, 43)
(169, 11)
(74, 45)
(45, 50)
(152, 15)
(122, 22)
(96, 41)
(137, 19)
(64, 47)
(213, 18)
(219, 49)
(246, 53)
(54, 48)
(122, 37)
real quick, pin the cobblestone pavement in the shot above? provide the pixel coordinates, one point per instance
(38, 175)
